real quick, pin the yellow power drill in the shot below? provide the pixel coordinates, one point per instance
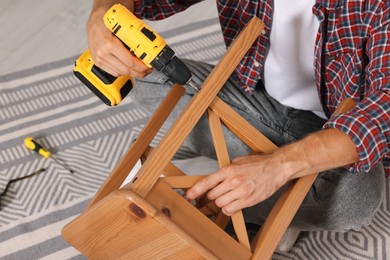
(141, 41)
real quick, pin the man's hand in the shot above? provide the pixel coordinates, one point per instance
(252, 179)
(244, 183)
(107, 51)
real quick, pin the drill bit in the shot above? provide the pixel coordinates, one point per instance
(192, 85)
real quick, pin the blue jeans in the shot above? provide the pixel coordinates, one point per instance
(338, 200)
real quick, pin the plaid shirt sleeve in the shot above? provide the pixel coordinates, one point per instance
(368, 124)
(157, 10)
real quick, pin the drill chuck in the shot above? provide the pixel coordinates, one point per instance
(172, 66)
(177, 71)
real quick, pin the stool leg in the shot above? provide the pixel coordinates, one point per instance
(136, 150)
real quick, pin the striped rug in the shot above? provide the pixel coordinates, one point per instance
(51, 105)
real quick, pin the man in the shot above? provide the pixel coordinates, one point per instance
(312, 55)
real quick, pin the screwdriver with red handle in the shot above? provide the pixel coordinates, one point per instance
(33, 145)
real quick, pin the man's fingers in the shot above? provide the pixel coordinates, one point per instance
(117, 67)
(233, 207)
(204, 185)
(109, 66)
(224, 187)
(128, 60)
(240, 192)
(115, 59)
(226, 198)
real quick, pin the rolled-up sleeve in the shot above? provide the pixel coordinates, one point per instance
(368, 124)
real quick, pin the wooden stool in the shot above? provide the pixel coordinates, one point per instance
(148, 219)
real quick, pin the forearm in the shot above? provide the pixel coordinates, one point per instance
(320, 151)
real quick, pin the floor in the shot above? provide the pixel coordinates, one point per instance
(32, 34)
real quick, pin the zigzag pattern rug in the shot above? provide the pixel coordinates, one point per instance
(50, 104)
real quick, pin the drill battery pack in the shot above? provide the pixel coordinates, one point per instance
(111, 90)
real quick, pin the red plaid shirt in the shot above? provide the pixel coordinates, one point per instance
(352, 60)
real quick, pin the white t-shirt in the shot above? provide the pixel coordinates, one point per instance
(288, 71)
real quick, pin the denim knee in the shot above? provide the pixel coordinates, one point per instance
(353, 201)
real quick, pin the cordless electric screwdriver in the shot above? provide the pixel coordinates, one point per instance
(142, 42)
